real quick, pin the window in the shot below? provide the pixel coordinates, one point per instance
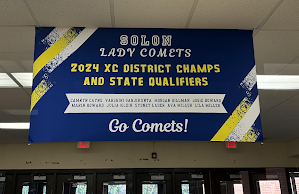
(269, 186)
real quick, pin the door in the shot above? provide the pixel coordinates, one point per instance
(115, 183)
(75, 184)
(6, 184)
(264, 184)
(227, 183)
(35, 184)
(192, 183)
(294, 176)
(154, 183)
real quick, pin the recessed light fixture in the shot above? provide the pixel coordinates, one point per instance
(278, 82)
(6, 81)
(14, 125)
(25, 79)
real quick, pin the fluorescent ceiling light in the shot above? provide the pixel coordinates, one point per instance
(14, 125)
(25, 79)
(6, 81)
(278, 82)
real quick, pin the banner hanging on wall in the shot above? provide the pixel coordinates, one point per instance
(144, 85)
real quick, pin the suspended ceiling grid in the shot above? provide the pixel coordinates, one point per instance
(276, 41)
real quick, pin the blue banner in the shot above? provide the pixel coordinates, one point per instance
(144, 85)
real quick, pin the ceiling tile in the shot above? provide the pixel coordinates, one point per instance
(18, 56)
(14, 13)
(280, 113)
(282, 138)
(293, 120)
(295, 131)
(10, 66)
(231, 14)
(20, 135)
(273, 68)
(16, 39)
(295, 97)
(291, 69)
(266, 105)
(281, 129)
(28, 64)
(7, 138)
(276, 95)
(28, 90)
(271, 98)
(72, 13)
(7, 118)
(275, 47)
(152, 14)
(23, 118)
(286, 17)
(14, 98)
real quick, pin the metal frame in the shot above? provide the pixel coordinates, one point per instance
(211, 176)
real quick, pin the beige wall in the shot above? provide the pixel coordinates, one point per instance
(138, 155)
(293, 147)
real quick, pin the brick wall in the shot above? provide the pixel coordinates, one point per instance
(282, 178)
(245, 182)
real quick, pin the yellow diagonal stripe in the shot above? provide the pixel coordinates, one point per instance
(56, 48)
(250, 136)
(232, 121)
(38, 92)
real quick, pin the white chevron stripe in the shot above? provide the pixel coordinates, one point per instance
(246, 122)
(70, 49)
(53, 36)
(250, 80)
